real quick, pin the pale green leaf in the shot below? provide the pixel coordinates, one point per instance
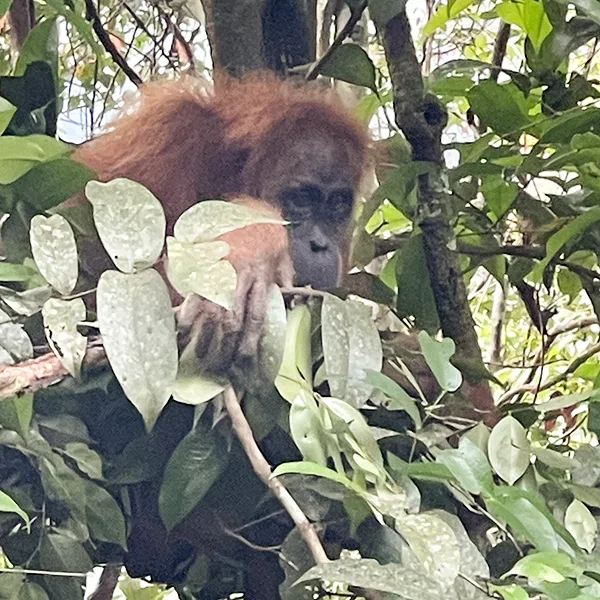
(580, 523)
(61, 318)
(508, 449)
(199, 269)
(130, 222)
(138, 331)
(437, 355)
(351, 347)
(55, 251)
(207, 220)
(435, 545)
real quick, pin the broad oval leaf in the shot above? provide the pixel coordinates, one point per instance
(61, 318)
(580, 523)
(207, 220)
(55, 251)
(350, 63)
(199, 269)
(369, 574)
(15, 345)
(508, 449)
(435, 545)
(194, 466)
(192, 386)
(138, 331)
(130, 222)
(469, 466)
(351, 347)
(438, 355)
(103, 515)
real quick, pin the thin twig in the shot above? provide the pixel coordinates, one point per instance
(263, 470)
(93, 16)
(595, 349)
(147, 31)
(348, 28)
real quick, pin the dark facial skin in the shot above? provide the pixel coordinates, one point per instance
(317, 198)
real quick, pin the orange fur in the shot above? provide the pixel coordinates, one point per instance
(186, 143)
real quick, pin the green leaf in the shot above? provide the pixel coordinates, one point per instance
(209, 219)
(15, 345)
(354, 432)
(87, 459)
(194, 466)
(562, 128)
(501, 107)
(369, 574)
(435, 545)
(469, 465)
(309, 468)
(61, 318)
(4, 6)
(415, 296)
(511, 592)
(398, 398)
(83, 26)
(7, 110)
(191, 385)
(526, 520)
(564, 235)
(351, 345)
(32, 591)
(49, 184)
(271, 347)
(444, 13)
(138, 330)
(307, 428)
(552, 567)
(55, 251)
(130, 222)
(530, 16)
(437, 355)
(41, 44)
(508, 449)
(16, 413)
(581, 524)
(62, 554)
(20, 154)
(295, 373)
(7, 504)
(199, 269)
(104, 517)
(499, 194)
(350, 63)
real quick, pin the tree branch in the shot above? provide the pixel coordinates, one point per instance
(263, 470)
(421, 119)
(41, 372)
(93, 16)
(107, 584)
